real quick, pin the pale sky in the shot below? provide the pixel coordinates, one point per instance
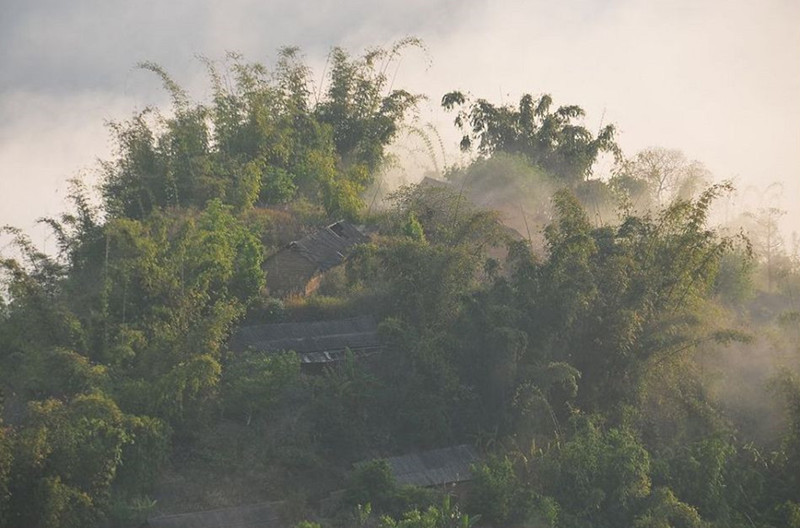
(717, 79)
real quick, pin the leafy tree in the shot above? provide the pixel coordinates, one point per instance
(507, 184)
(363, 116)
(424, 399)
(423, 285)
(502, 494)
(666, 174)
(143, 457)
(252, 382)
(610, 300)
(446, 516)
(38, 316)
(495, 484)
(61, 373)
(174, 287)
(413, 229)
(762, 227)
(597, 476)
(6, 459)
(734, 280)
(343, 407)
(425, 281)
(447, 217)
(65, 461)
(262, 138)
(373, 484)
(549, 139)
(787, 386)
(665, 510)
(266, 136)
(699, 473)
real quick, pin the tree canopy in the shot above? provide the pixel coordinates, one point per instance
(633, 368)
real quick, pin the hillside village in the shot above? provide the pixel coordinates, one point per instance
(234, 337)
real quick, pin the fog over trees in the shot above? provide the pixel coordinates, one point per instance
(606, 351)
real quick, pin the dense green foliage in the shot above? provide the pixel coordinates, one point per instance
(640, 370)
(263, 139)
(551, 140)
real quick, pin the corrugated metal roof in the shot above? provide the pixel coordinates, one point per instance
(314, 342)
(434, 468)
(262, 515)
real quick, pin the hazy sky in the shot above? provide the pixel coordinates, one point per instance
(719, 80)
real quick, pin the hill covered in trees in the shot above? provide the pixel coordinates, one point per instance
(616, 359)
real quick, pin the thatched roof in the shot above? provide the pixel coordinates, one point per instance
(329, 246)
(290, 270)
(314, 342)
(433, 182)
(434, 468)
(262, 515)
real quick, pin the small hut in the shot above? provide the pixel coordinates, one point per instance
(297, 269)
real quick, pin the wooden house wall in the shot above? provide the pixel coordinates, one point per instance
(288, 273)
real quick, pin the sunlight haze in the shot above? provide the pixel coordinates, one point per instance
(718, 80)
